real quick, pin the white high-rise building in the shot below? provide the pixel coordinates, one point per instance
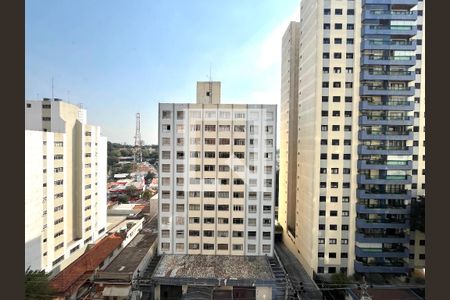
(361, 135)
(65, 184)
(216, 176)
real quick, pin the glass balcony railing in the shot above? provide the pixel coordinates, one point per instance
(392, 27)
(387, 162)
(371, 132)
(382, 147)
(390, 43)
(390, 88)
(398, 58)
(388, 118)
(392, 73)
(389, 103)
(387, 177)
(391, 12)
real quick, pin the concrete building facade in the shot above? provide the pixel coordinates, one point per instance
(216, 176)
(289, 128)
(65, 187)
(361, 135)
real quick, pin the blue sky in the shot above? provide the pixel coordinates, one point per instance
(120, 57)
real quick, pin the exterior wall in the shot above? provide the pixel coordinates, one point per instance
(183, 182)
(417, 250)
(33, 199)
(208, 92)
(289, 127)
(64, 177)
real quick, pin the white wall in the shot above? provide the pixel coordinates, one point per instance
(101, 187)
(33, 198)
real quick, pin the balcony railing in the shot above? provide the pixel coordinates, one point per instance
(382, 252)
(382, 209)
(381, 268)
(382, 223)
(381, 238)
(388, 105)
(388, 45)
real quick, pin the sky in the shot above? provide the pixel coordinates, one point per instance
(118, 58)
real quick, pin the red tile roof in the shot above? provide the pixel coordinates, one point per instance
(72, 277)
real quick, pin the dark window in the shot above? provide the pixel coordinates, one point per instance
(349, 55)
(324, 99)
(338, 26)
(337, 55)
(326, 26)
(350, 12)
(338, 11)
(350, 26)
(336, 98)
(327, 11)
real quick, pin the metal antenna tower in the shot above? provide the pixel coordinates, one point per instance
(137, 140)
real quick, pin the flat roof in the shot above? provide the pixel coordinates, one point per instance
(113, 221)
(214, 266)
(131, 256)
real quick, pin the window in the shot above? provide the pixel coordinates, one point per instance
(332, 241)
(344, 242)
(210, 127)
(338, 26)
(210, 141)
(350, 26)
(348, 99)
(336, 84)
(338, 41)
(349, 55)
(224, 141)
(327, 11)
(324, 113)
(326, 55)
(210, 154)
(326, 26)
(326, 40)
(332, 255)
(325, 99)
(338, 11)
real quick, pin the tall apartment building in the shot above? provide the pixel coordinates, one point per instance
(360, 147)
(65, 184)
(217, 176)
(289, 128)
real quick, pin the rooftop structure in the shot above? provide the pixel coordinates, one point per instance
(74, 276)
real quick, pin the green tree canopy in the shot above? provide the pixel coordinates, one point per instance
(37, 285)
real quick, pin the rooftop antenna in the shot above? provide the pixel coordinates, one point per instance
(137, 140)
(210, 84)
(52, 89)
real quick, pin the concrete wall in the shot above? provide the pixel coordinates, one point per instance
(33, 199)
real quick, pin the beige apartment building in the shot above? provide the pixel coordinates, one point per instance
(289, 128)
(217, 176)
(65, 184)
(360, 144)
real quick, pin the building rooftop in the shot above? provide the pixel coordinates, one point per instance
(78, 272)
(131, 256)
(214, 266)
(113, 221)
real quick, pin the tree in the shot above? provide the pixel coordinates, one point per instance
(123, 199)
(37, 285)
(147, 195)
(149, 177)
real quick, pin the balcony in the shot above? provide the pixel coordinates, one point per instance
(363, 268)
(378, 194)
(388, 60)
(386, 120)
(389, 15)
(403, 30)
(367, 90)
(381, 238)
(387, 179)
(389, 105)
(386, 135)
(392, 75)
(408, 3)
(382, 209)
(385, 150)
(383, 223)
(385, 165)
(374, 252)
